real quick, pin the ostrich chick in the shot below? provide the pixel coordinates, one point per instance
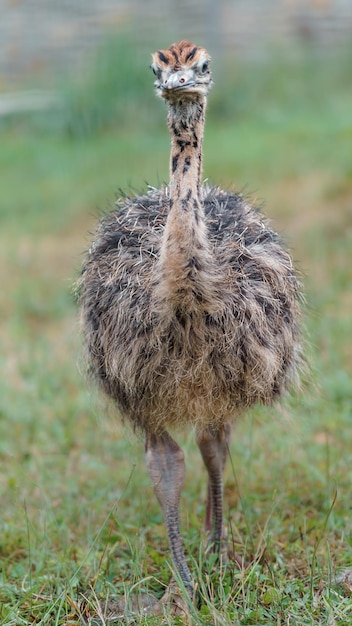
(190, 306)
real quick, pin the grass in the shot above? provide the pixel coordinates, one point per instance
(78, 517)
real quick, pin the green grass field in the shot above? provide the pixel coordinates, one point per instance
(79, 521)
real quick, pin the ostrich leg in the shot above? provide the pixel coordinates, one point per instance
(214, 450)
(166, 466)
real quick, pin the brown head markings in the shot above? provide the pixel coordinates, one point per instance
(179, 54)
(162, 57)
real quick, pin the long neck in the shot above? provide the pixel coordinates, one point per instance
(185, 255)
(186, 126)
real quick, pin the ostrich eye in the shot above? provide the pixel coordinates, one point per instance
(156, 71)
(204, 68)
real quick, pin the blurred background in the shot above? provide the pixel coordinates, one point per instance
(79, 122)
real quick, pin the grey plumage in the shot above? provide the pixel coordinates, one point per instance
(198, 363)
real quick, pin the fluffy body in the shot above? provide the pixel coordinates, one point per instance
(226, 339)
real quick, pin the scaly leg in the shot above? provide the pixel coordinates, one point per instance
(166, 466)
(213, 447)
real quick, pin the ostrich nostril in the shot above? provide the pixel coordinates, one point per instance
(182, 80)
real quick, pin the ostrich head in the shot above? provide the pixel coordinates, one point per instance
(182, 70)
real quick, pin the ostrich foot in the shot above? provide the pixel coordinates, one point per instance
(225, 553)
(124, 610)
(100, 612)
(174, 600)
